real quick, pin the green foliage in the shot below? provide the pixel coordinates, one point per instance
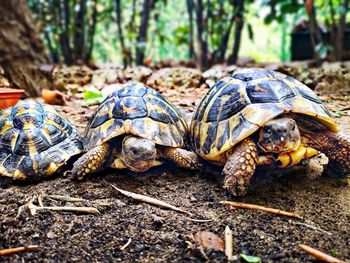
(280, 8)
(93, 96)
(323, 50)
(265, 33)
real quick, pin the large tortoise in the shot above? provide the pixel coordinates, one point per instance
(35, 141)
(135, 127)
(258, 117)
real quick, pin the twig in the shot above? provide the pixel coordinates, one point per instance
(228, 243)
(33, 208)
(126, 244)
(200, 220)
(65, 198)
(310, 226)
(320, 255)
(89, 210)
(151, 200)
(261, 208)
(11, 251)
(40, 199)
(344, 109)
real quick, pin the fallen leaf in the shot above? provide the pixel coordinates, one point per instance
(250, 259)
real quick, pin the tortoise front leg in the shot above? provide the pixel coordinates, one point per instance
(92, 161)
(181, 157)
(336, 146)
(240, 167)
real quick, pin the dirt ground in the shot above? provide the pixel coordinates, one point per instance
(159, 235)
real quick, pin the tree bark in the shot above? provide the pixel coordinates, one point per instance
(203, 53)
(142, 37)
(192, 53)
(64, 21)
(224, 42)
(69, 59)
(239, 19)
(91, 33)
(315, 32)
(333, 24)
(21, 50)
(340, 32)
(79, 35)
(118, 13)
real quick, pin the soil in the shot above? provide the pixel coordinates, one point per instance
(160, 235)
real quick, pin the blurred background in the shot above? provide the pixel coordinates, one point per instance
(207, 32)
(135, 38)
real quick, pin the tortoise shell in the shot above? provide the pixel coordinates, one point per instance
(138, 110)
(237, 106)
(35, 140)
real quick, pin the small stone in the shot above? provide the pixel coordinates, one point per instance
(6, 193)
(50, 234)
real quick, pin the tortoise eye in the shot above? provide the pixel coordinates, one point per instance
(267, 129)
(293, 126)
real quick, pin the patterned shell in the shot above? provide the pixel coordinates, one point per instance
(236, 107)
(138, 110)
(35, 140)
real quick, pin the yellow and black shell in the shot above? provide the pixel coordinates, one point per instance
(138, 110)
(237, 106)
(35, 140)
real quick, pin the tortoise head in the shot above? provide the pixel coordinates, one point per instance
(138, 154)
(279, 135)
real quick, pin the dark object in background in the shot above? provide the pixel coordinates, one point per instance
(301, 47)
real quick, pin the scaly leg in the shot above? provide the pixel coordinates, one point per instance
(240, 167)
(92, 161)
(181, 157)
(335, 146)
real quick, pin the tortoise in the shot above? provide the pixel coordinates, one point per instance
(35, 141)
(261, 117)
(135, 127)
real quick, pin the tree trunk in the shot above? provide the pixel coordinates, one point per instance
(64, 21)
(315, 32)
(192, 53)
(239, 19)
(203, 53)
(142, 37)
(21, 50)
(91, 32)
(340, 32)
(333, 25)
(118, 12)
(79, 35)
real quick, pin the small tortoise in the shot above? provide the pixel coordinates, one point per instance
(259, 117)
(35, 141)
(135, 127)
